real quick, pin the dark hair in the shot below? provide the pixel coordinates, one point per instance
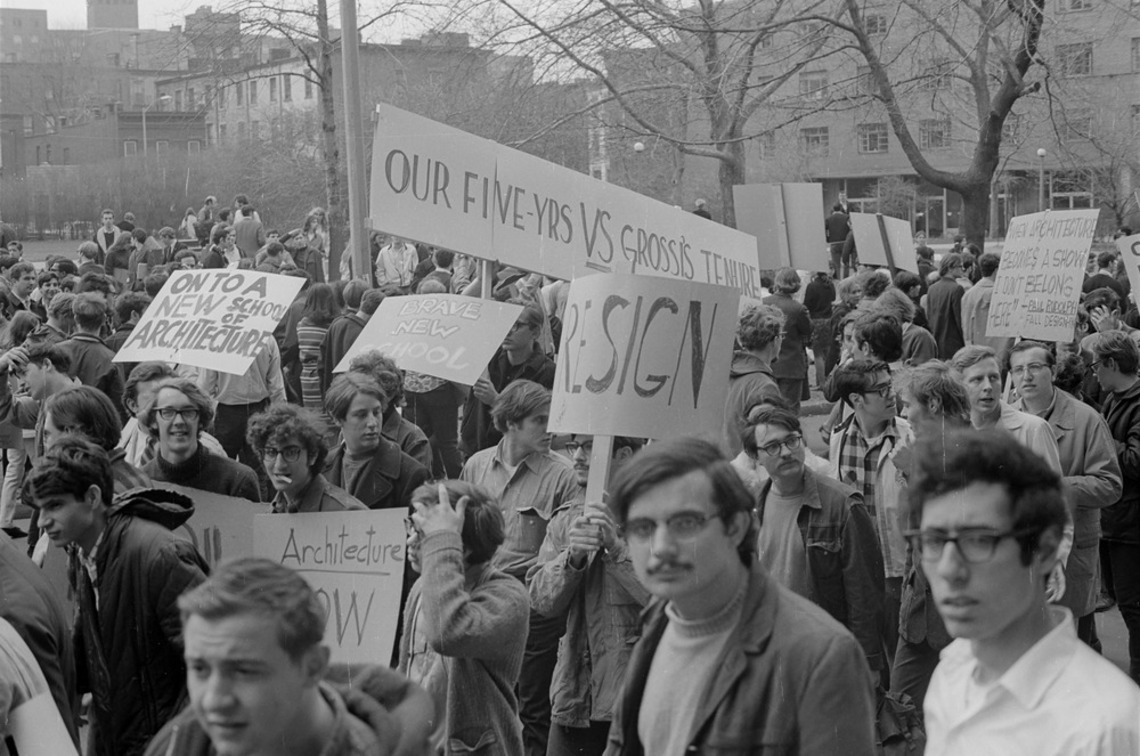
(139, 234)
(443, 258)
(875, 284)
(787, 281)
(483, 527)
(1070, 373)
(1106, 258)
(936, 386)
(69, 468)
(251, 585)
(353, 291)
(905, 280)
(320, 305)
(778, 416)
(223, 216)
(60, 307)
(989, 263)
(90, 311)
(60, 359)
(66, 268)
(1026, 345)
(88, 412)
(6, 263)
(952, 463)
(21, 325)
(220, 232)
(882, 333)
(344, 389)
(46, 276)
(383, 370)
(1102, 297)
(675, 458)
(280, 422)
(19, 269)
(154, 282)
(144, 372)
(1119, 347)
(122, 243)
(370, 301)
(518, 401)
(94, 282)
(758, 326)
(948, 261)
(190, 390)
(856, 377)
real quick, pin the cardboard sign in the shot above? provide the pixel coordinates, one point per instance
(355, 563)
(1129, 248)
(883, 240)
(448, 188)
(1038, 285)
(221, 526)
(214, 319)
(785, 219)
(643, 357)
(443, 335)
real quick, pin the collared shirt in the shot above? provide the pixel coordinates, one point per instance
(263, 380)
(858, 466)
(1059, 698)
(317, 496)
(90, 566)
(529, 497)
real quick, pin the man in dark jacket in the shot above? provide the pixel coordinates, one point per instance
(90, 357)
(129, 568)
(750, 378)
(360, 303)
(944, 306)
(1116, 361)
(816, 537)
(790, 367)
(835, 229)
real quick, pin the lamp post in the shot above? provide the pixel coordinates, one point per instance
(163, 98)
(1041, 180)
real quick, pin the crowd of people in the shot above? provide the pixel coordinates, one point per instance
(928, 577)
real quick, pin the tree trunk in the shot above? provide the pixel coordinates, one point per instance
(976, 213)
(731, 173)
(330, 148)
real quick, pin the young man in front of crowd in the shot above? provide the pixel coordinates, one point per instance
(816, 536)
(259, 679)
(129, 568)
(22, 278)
(531, 484)
(1116, 360)
(465, 621)
(759, 332)
(90, 356)
(1016, 680)
(584, 572)
(728, 658)
(1089, 468)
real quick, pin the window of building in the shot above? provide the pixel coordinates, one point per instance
(239, 88)
(161, 147)
(934, 133)
(130, 147)
(253, 92)
(287, 88)
(872, 137)
(1075, 59)
(814, 140)
(194, 146)
(1136, 55)
(875, 24)
(273, 89)
(938, 74)
(308, 89)
(1065, 6)
(813, 85)
(766, 144)
(1078, 126)
(1070, 190)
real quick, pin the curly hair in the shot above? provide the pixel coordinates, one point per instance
(283, 422)
(759, 326)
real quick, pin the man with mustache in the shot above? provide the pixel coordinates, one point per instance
(729, 660)
(1016, 680)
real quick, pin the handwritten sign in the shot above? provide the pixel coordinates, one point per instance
(1038, 284)
(445, 187)
(214, 319)
(784, 218)
(1129, 248)
(883, 240)
(355, 563)
(643, 357)
(221, 526)
(443, 335)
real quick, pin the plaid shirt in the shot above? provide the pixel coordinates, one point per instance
(858, 464)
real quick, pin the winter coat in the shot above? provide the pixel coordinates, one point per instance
(750, 380)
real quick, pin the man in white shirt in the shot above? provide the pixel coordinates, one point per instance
(1016, 680)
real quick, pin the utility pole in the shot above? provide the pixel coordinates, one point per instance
(354, 142)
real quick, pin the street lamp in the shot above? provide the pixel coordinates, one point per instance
(1041, 180)
(163, 98)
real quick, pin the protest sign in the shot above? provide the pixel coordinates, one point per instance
(643, 357)
(221, 526)
(441, 335)
(1129, 248)
(214, 319)
(784, 218)
(883, 240)
(1038, 284)
(448, 188)
(355, 563)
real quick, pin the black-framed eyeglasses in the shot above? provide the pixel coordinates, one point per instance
(1033, 367)
(681, 526)
(290, 453)
(572, 447)
(791, 443)
(883, 389)
(410, 526)
(975, 546)
(186, 413)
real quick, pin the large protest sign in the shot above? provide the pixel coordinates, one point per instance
(785, 219)
(221, 526)
(643, 357)
(1038, 284)
(1129, 248)
(883, 240)
(355, 563)
(442, 335)
(214, 319)
(445, 187)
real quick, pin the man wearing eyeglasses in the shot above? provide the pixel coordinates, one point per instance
(729, 660)
(1091, 473)
(1016, 680)
(584, 571)
(862, 456)
(816, 537)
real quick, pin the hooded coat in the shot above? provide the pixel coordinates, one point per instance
(749, 381)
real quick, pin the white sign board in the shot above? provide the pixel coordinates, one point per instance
(355, 563)
(643, 357)
(213, 319)
(883, 240)
(443, 335)
(1129, 247)
(786, 221)
(1038, 286)
(445, 187)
